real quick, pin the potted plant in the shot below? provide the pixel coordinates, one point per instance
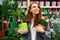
(5, 13)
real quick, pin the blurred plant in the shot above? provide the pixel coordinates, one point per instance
(17, 13)
(23, 14)
(5, 9)
(49, 14)
(43, 22)
(52, 15)
(56, 27)
(13, 35)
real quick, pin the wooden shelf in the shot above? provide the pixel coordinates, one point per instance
(43, 6)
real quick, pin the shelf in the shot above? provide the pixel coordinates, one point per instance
(50, 6)
(22, 7)
(43, 6)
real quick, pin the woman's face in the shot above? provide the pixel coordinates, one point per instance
(34, 8)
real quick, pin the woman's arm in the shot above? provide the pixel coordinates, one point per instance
(44, 30)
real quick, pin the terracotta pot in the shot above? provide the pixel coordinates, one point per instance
(54, 3)
(47, 3)
(2, 34)
(42, 3)
(58, 3)
(6, 25)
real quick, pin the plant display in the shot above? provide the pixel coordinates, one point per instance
(52, 15)
(9, 10)
(56, 27)
(49, 14)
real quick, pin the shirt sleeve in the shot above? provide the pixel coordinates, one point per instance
(47, 35)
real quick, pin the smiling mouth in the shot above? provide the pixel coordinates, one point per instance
(36, 10)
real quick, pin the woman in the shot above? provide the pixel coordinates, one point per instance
(36, 31)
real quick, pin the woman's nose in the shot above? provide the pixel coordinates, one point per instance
(37, 9)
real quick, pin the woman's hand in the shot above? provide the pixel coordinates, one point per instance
(40, 28)
(22, 31)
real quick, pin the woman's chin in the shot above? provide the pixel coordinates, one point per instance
(36, 13)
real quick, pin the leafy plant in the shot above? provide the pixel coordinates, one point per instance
(56, 27)
(11, 9)
(23, 14)
(17, 13)
(49, 14)
(5, 9)
(13, 35)
(43, 22)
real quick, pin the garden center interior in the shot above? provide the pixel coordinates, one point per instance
(12, 11)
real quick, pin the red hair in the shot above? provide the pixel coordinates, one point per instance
(30, 16)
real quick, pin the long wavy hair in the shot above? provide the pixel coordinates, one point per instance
(30, 16)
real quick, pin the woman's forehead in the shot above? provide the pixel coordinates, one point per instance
(34, 4)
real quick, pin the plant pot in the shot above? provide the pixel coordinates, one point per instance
(23, 26)
(2, 34)
(6, 25)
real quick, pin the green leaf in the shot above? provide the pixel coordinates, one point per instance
(43, 22)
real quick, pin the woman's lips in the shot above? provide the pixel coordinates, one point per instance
(36, 10)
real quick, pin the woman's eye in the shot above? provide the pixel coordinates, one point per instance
(33, 6)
